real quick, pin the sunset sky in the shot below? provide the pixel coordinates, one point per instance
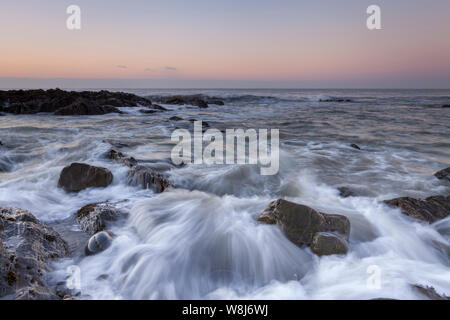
(228, 43)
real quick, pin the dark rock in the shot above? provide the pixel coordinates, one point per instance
(430, 210)
(443, 174)
(325, 243)
(27, 246)
(147, 111)
(446, 106)
(69, 102)
(429, 292)
(355, 146)
(79, 176)
(216, 102)
(139, 175)
(175, 118)
(194, 100)
(300, 223)
(93, 218)
(346, 192)
(98, 243)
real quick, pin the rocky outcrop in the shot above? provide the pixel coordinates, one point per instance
(63, 102)
(194, 100)
(324, 233)
(430, 210)
(443, 174)
(139, 175)
(94, 218)
(26, 248)
(79, 176)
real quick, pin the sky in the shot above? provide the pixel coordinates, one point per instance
(225, 44)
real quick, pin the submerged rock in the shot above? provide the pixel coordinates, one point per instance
(93, 218)
(346, 192)
(26, 248)
(300, 224)
(355, 146)
(79, 176)
(443, 174)
(429, 292)
(194, 100)
(430, 210)
(98, 243)
(138, 175)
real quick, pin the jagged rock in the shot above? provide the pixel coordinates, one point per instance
(93, 218)
(98, 243)
(26, 248)
(138, 175)
(79, 176)
(325, 243)
(443, 174)
(430, 210)
(85, 107)
(300, 223)
(429, 292)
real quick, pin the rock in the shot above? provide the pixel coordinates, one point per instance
(325, 243)
(27, 246)
(300, 223)
(93, 218)
(147, 111)
(215, 101)
(355, 146)
(98, 243)
(194, 100)
(429, 292)
(85, 107)
(443, 174)
(69, 102)
(346, 192)
(430, 210)
(446, 106)
(79, 176)
(175, 118)
(142, 176)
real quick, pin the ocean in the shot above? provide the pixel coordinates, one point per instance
(202, 240)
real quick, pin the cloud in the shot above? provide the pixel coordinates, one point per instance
(121, 66)
(168, 68)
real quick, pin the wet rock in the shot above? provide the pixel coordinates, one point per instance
(355, 146)
(446, 106)
(98, 243)
(85, 107)
(325, 243)
(300, 223)
(69, 102)
(27, 246)
(215, 101)
(429, 292)
(93, 218)
(79, 176)
(147, 111)
(346, 192)
(139, 175)
(430, 210)
(443, 174)
(194, 100)
(147, 178)
(175, 118)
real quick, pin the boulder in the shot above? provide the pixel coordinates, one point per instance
(443, 174)
(79, 176)
(325, 243)
(430, 210)
(27, 246)
(300, 223)
(98, 243)
(93, 218)
(139, 175)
